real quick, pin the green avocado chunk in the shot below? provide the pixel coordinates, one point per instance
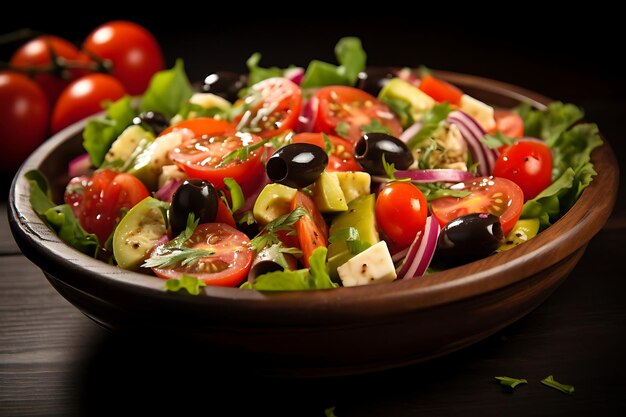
(397, 89)
(360, 215)
(328, 195)
(273, 202)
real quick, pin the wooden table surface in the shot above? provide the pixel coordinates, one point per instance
(55, 361)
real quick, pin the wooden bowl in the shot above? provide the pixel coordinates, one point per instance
(341, 331)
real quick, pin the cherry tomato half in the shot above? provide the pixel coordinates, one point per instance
(201, 126)
(104, 195)
(24, 116)
(342, 156)
(312, 230)
(339, 104)
(509, 123)
(132, 49)
(227, 267)
(84, 97)
(440, 90)
(528, 163)
(271, 107)
(498, 196)
(38, 54)
(401, 212)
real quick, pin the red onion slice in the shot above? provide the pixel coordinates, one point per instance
(251, 199)
(421, 251)
(411, 131)
(435, 175)
(295, 75)
(80, 165)
(166, 192)
(307, 117)
(473, 133)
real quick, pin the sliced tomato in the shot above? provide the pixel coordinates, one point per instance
(202, 156)
(226, 267)
(201, 126)
(345, 110)
(528, 163)
(311, 229)
(271, 107)
(104, 195)
(342, 156)
(498, 196)
(440, 90)
(401, 200)
(224, 215)
(509, 123)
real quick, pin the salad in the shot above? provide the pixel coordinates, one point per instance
(294, 179)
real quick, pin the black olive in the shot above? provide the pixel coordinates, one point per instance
(153, 120)
(468, 238)
(374, 79)
(297, 165)
(369, 151)
(193, 196)
(225, 84)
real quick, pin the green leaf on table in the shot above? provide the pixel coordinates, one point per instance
(510, 382)
(168, 91)
(186, 282)
(550, 382)
(101, 132)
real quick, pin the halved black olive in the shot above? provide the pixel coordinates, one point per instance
(193, 196)
(153, 120)
(469, 238)
(297, 165)
(369, 151)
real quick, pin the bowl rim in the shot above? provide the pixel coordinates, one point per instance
(572, 231)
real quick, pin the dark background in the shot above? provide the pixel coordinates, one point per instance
(578, 334)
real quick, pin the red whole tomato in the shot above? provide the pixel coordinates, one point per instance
(498, 196)
(509, 123)
(401, 200)
(104, 195)
(311, 229)
(271, 107)
(226, 267)
(528, 163)
(84, 97)
(440, 90)
(342, 155)
(344, 110)
(203, 157)
(131, 48)
(24, 115)
(38, 54)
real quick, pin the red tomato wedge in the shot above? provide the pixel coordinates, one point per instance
(342, 156)
(312, 230)
(271, 107)
(509, 123)
(498, 196)
(345, 110)
(226, 267)
(440, 90)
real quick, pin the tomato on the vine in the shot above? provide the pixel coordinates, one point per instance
(98, 200)
(498, 196)
(401, 212)
(38, 55)
(341, 157)
(528, 163)
(131, 48)
(84, 97)
(343, 111)
(228, 264)
(269, 108)
(24, 115)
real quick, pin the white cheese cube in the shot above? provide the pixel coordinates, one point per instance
(372, 266)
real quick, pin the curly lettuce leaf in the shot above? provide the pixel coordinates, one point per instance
(551, 123)
(100, 133)
(547, 205)
(168, 91)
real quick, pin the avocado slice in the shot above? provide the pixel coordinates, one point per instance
(328, 195)
(354, 184)
(138, 232)
(523, 231)
(273, 202)
(397, 89)
(360, 215)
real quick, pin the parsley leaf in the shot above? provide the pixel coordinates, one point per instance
(186, 282)
(241, 153)
(436, 190)
(328, 145)
(267, 236)
(430, 123)
(401, 108)
(352, 238)
(168, 91)
(343, 130)
(550, 382)
(390, 170)
(510, 382)
(375, 126)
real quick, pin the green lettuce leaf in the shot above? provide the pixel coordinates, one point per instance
(257, 74)
(549, 124)
(59, 218)
(351, 58)
(547, 206)
(168, 91)
(101, 132)
(186, 282)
